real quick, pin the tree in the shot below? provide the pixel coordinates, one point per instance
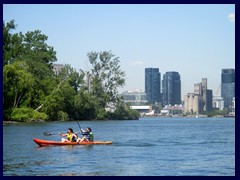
(124, 112)
(28, 77)
(74, 78)
(30, 85)
(17, 83)
(37, 49)
(85, 106)
(31, 47)
(12, 43)
(106, 76)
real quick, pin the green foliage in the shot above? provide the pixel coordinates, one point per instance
(133, 114)
(124, 112)
(106, 76)
(62, 116)
(30, 47)
(74, 79)
(216, 112)
(17, 81)
(30, 85)
(12, 47)
(26, 114)
(101, 114)
(86, 106)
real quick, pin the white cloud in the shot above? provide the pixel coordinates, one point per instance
(231, 17)
(136, 63)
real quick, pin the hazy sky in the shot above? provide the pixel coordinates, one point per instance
(195, 40)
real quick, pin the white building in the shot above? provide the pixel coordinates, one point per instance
(135, 97)
(142, 109)
(218, 102)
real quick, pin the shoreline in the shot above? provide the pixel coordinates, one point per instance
(42, 121)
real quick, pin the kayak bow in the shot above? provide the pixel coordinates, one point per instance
(41, 142)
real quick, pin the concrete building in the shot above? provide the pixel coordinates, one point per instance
(200, 100)
(192, 103)
(206, 94)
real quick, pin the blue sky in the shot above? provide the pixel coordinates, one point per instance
(195, 40)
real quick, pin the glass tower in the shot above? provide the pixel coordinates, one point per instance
(152, 85)
(228, 87)
(171, 88)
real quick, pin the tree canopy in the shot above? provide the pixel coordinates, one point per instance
(33, 91)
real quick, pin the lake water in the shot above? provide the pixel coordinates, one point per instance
(145, 147)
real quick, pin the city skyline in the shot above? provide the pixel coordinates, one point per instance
(198, 41)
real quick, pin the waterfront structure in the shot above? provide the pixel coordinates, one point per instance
(142, 109)
(200, 100)
(228, 87)
(206, 94)
(135, 97)
(152, 85)
(192, 103)
(171, 88)
(170, 110)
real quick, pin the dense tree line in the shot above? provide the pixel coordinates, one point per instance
(33, 91)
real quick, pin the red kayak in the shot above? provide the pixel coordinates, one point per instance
(41, 142)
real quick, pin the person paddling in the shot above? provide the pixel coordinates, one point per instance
(87, 135)
(71, 136)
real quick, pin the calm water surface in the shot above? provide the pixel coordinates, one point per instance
(145, 147)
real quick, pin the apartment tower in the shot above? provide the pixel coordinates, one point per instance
(228, 87)
(171, 88)
(152, 85)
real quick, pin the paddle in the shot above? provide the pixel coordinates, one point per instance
(50, 133)
(83, 133)
(79, 126)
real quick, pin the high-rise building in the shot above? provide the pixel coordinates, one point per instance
(209, 100)
(228, 87)
(152, 85)
(171, 88)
